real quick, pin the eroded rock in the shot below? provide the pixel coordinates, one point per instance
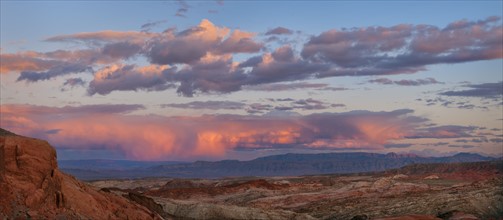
(33, 187)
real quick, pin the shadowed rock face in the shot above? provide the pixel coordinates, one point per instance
(33, 187)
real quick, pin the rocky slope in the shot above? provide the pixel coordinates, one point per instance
(33, 187)
(405, 193)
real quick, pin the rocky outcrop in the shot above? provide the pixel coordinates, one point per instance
(33, 187)
(147, 202)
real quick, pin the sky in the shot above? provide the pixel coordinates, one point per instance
(213, 80)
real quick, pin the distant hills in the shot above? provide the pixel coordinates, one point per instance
(277, 165)
(103, 164)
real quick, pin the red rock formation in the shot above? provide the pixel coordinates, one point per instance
(31, 186)
(185, 189)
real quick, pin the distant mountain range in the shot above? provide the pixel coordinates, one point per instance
(103, 164)
(277, 165)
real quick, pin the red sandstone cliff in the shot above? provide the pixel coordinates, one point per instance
(31, 186)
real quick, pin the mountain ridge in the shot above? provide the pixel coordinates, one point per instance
(276, 165)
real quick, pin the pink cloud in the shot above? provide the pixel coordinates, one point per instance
(157, 137)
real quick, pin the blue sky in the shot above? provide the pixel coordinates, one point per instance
(79, 70)
(34, 21)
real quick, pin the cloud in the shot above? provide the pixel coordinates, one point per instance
(239, 42)
(283, 108)
(496, 140)
(405, 82)
(462, 141)
(404, 48)
(150, 137)
(53, 131)
(120, 77)
(397, 145)
(27, 61)
(439, 144)
(284, 53)
(282, 100)
(432, 153)
(467, 106)
(317, 59)
(191, 45)
(474, 140)
(83, 109)
(452, 103)
(201, 59)
(73, 82)
(289, 104)
(256, 108)
(279, 31)
(480, 140)
(149, 25)
(101, 37)
(56, 71)
(446, 131)
(183, 8)
(286, 86)
(213, 105)
(34, 66)
(462, 146)
(309, 104)
(484, 90)
(337, 105)
(270, 70)
(216, 74)
(121, 50)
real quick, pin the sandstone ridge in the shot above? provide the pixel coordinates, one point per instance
(33, 187)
